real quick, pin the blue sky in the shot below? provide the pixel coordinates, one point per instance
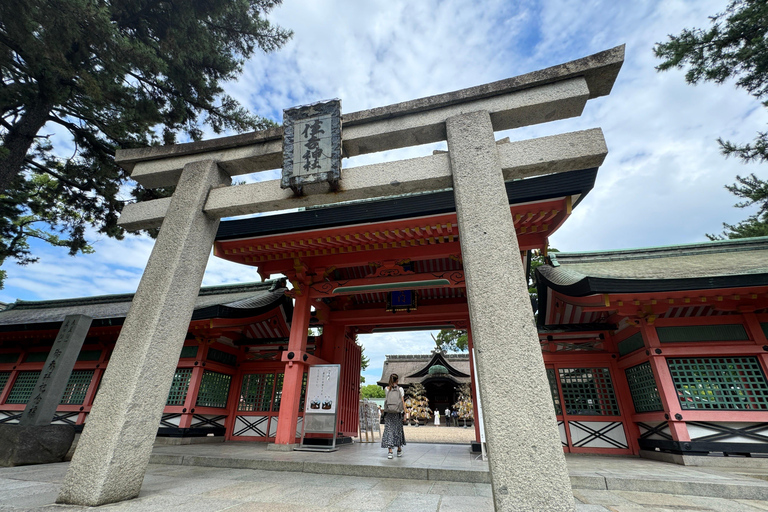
(662, 182)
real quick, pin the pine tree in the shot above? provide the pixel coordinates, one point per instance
(117, 74)
(735, 47)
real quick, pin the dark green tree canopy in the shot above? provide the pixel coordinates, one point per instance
(112, 74)
(735, 47)
(453, 340)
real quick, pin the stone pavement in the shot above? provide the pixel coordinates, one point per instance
(601, 483)
(441, 434)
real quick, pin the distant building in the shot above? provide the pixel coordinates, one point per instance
(440, 373)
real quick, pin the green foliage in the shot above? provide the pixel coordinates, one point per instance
(735, 47)
(364, 361)
(372, 391)
(754, 191)
(116, 74)
(454, 340)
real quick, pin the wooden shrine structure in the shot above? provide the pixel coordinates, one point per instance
(661, 349)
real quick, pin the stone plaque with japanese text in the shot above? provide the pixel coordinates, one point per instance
(312, 147)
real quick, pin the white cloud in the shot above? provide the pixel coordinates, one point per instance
(662, 182)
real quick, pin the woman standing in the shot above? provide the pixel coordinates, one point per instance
(437, 418)
(394, 408)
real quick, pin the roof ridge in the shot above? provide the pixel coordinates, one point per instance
(712, 246)
(127, 297)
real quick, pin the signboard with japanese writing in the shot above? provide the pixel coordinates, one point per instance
(312, 147)
(322, 389)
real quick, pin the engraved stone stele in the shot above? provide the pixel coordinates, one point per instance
(312, 148)
(34, 440)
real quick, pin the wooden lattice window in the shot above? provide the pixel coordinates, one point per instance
(179, 386)
(77, 387)
(23, 387)
(588, 391)
(4, 376)
(643, 388)
(279, 392)
(552, 378)
(256, 392)
(719, 383)
(214, 390)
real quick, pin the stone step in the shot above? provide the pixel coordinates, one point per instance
(743, 488)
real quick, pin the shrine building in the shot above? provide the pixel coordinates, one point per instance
(658, 350)
(440, 373)
(661, 349)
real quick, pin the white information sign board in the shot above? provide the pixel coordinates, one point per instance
(321, 406)
(322, 389)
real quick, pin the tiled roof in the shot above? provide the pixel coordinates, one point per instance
(405, 365)
(680, 267)
(240, 298)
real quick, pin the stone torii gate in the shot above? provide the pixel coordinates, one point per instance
(527, 466)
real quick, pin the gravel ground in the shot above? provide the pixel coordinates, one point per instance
(433, 434)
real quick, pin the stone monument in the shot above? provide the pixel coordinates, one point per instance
(35, 440)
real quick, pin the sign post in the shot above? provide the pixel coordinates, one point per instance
(321, 407)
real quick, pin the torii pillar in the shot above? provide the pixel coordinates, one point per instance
(521, 427)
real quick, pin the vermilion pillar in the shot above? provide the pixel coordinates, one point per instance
(294, 373)
(677, 427)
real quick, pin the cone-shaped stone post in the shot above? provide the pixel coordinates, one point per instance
(114, 450)
(528, 471)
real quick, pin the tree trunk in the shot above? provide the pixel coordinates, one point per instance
(19, 139)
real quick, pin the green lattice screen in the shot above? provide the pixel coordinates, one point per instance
(4, 376)
(588, 391)
(22, 387)
(642, 387)
(214, 389)
(719, 383)
(89, 355)
(179, 386)
(553, 390)
(222, 357)
(279, 392)
(685, 333)
(36, 357)
(9, 358)
(256, 392)
(629, 345)
(77, 387)
(188, 351)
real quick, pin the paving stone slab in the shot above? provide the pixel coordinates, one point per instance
(243, 491)
(604, 498)
(453, 489)
(466, 504)
(370, 499)
(414, 501)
